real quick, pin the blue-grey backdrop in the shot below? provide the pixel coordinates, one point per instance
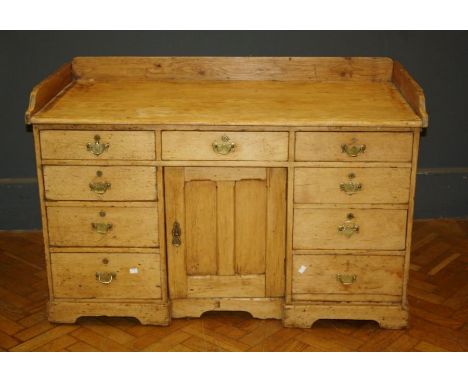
(438, 60)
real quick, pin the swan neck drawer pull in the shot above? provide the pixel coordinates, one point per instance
(224, 147)
(101, 228)
(346, 279)
(353, 150)
(97, 148)
(100, 187)
(348, 228)
(105, 277)
(350, 188)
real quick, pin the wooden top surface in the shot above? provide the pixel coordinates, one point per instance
(275, 103)
(210, 91)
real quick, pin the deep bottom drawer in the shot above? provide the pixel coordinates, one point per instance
(347, 277)
(104, 275)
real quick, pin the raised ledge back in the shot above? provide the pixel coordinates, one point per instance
(234, 68)
(359, 69)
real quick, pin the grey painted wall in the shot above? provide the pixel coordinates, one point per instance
(438, 60)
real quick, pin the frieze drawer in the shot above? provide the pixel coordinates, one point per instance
(98, 145)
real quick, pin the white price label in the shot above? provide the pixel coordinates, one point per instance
(302, 269)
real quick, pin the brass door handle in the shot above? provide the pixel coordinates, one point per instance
(97, 148)
(352, 150)
(100, 187)
(346, 279)
(105, 277)
(176, 233)
(101, 228)
(224, 147)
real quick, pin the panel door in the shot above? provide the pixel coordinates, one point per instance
(225, 231)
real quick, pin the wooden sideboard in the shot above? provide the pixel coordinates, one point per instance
(172, 186)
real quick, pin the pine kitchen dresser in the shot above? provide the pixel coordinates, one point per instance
(280, 186)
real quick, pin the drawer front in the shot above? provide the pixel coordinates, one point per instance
(124, 183)
(106, 275)
(354, 147)
(351, 185)
(218, 145)
(120, 145)
(335, 228)
(347, 277)
(103, 226)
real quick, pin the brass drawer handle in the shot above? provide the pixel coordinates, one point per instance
(101, 228)
(352, 150)
(105, 277)
(346, 279)
(348, 228)
(97, 148)
(350, 188)
(99, 187)
(224, 147)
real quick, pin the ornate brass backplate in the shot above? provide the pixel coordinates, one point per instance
(352, 149)
(348, 228)
(101, 228)
(97, 148)
(99, 187)
(224, 147)
(350, 187)
(346, 279)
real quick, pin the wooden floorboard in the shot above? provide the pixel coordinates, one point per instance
(437, 293)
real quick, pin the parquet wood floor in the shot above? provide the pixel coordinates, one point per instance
(438, 296)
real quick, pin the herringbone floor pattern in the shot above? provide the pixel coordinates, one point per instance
(438, 296)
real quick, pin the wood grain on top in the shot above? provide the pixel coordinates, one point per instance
(275, 103)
